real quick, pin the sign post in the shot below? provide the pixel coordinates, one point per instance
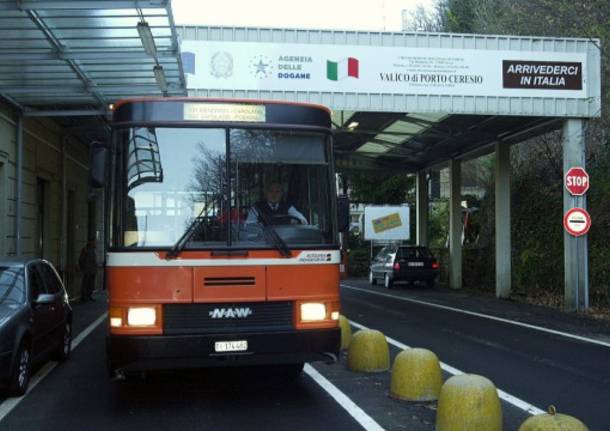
(576, 222)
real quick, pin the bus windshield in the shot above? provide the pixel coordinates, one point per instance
(230, 186)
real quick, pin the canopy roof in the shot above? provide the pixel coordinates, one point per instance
(84, 55)
(412, 142)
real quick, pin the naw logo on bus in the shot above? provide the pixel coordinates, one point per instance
(230, 313)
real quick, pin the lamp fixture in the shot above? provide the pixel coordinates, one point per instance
(146, 36)
(160, 77)
(353, 125)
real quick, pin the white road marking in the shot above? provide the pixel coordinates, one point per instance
(10, 403)
(511, 399)
(367, 422)
(484, 316)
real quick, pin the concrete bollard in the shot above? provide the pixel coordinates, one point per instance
(416, 376)
(368, 352)
(468, 402)
(552, 421)
(346, 332)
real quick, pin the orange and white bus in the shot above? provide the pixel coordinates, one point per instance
(222, 234)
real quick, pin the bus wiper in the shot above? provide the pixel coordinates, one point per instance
(279, 243)
(181, 243)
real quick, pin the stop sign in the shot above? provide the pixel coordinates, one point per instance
(577, 181)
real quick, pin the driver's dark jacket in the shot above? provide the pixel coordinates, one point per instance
(268, 212)
(283, 209)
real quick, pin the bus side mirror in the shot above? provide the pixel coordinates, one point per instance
(97, 164)
(343, 213)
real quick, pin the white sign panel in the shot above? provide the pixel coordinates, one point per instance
(386, 223)
(393, 70)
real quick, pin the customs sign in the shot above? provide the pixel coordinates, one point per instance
(577, 221)
(274, 66)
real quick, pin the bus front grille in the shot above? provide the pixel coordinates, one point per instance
(184, 319)
(229, 281)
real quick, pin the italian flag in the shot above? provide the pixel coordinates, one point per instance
(336, 71)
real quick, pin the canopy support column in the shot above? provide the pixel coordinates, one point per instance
(576, 270)
(455, 225)
(421, 208)
(503, 221)
(19, 186)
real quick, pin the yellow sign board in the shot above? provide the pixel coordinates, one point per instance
(391, 221)
(224, 112)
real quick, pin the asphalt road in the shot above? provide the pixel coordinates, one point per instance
(538, 367)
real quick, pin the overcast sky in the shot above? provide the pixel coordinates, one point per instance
(318, 14)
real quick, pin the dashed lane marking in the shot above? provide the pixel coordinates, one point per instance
(367, 422)
(511, 399)
(484, 316)
(10, 403)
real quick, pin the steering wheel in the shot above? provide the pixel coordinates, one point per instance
(285, 219)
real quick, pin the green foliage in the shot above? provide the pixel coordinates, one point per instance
(379, 189)
(438, 224)
(536, 189)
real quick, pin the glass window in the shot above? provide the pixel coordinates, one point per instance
(279, 181)
(177, 183)
(414, 253)
(172, 177)
(36, 283)
(11, 285)
(51, 279)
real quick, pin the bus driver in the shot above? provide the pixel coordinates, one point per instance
(273, 209)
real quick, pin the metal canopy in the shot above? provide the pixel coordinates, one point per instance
(412, 142)
(83, 55)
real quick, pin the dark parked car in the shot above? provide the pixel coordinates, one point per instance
(35, 319)
(404, 263)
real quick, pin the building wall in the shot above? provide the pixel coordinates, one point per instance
(42, 193)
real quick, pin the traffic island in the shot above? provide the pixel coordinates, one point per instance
(416, 376)
(553, 421)
(346, 332)
(468, 402)
(368, 352)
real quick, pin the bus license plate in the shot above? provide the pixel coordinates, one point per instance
(415, 264)
(231, 346)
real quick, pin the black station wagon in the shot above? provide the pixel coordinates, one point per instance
(35, 319)
(404, 263)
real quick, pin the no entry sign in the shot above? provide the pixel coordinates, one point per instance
(577, 221)
(577, 181)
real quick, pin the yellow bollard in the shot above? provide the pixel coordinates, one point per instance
(553, 421)
(368, 352)
(416, 376)
(346, 332)
(468, 402)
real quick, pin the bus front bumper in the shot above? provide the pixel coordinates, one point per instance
(128, 354)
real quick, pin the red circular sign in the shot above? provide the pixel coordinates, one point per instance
(577, 181)
(577, 221)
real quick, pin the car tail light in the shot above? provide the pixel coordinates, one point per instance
(435, 265)
(397, 266)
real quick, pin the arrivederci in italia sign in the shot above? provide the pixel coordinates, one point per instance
(392, 70)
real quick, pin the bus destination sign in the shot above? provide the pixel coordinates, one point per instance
(224, 112)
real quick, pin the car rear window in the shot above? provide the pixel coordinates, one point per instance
(12, 288)
(413, 253)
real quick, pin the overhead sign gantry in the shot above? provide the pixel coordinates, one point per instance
(414, 101)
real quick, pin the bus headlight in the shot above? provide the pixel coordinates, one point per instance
(313, 312)
(141, 316)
